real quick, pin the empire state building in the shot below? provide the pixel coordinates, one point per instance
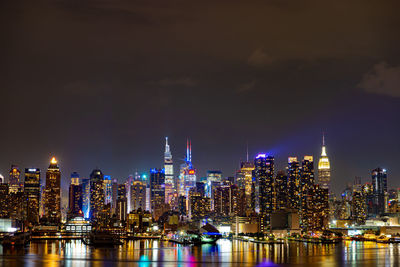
(324, 168)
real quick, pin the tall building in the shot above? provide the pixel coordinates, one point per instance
(169, 173)
(86, 197)
(317, 217)
(32, 194)
(107, 184)
(359, 207)
(247, 168)
(128, 185)
(221, 200)
(14, 180)
(75, 197)
(368, 193)
(138, 197)
(52, 206)
(114, 196)
(122, 202)
(306, 188)
(264, 175)
(157, 192)
(214, 178)
(4, 203)
(187, 176)
(281, 194)
(324, 168)
(199, 206)
(293, 173)
(379, 183)
(96, 194)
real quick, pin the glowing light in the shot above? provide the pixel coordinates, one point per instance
(191, 171)
(53, 160)
(261, 155)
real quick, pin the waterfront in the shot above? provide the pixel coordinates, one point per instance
(226, 253)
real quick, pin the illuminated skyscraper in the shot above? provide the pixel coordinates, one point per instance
(75, 196)
(52, 194)
(214, 179)
(187, 176)
(86, 197)
(293, 173)
(247, 169)
(121, 210)
(14, 181)
(128, 185)
(281, 194)
(324, 168)
(169, 173)
(264, 190)
(379, 183)
(306, 190)
(138, 200)
(157, 193)
(107, 184)
(96, 194)
(32, 194)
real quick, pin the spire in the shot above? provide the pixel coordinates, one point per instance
(187, 149)
(166, 145)
(190, 151)
(323, 153)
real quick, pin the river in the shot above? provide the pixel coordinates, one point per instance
(146, 253)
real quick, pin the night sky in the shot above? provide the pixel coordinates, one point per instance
(101, 83)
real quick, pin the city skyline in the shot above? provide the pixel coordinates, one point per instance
(281, 164)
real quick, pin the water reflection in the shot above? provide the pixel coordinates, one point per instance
(226, 253)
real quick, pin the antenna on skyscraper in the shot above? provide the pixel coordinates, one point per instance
(187, 149)
(190, 151)
(323, 138)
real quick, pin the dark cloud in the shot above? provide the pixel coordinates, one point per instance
(182, 81)
(243, 88)
(260, 58)
(383, 80)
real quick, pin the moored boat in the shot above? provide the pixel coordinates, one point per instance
(102, 238)
(16, 239)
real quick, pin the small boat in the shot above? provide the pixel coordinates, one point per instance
(17, 239)
(102, 238)
(382, 239)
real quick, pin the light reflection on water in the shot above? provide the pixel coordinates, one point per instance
(146, 253)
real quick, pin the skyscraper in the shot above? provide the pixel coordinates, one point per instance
(169, 173)
(138, 197)
(187, 176)
(75, 196)
(32, 194)
(306, 190)
(107, 184)
(14, 181)
(157, 192)
(52, 206)
(264, 176)
(86, 197)
(281, 194)
(324, 168)
(293, 173)
(379, 183)
(121, 204)
(96, 193)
